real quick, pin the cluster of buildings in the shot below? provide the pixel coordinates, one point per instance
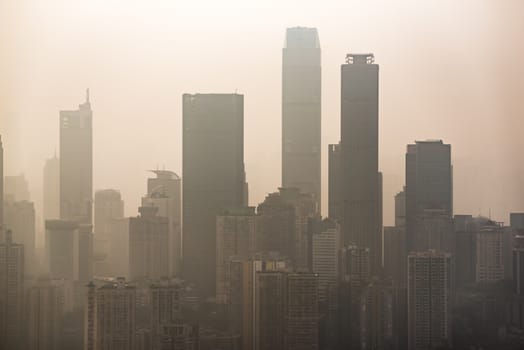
(198, 268)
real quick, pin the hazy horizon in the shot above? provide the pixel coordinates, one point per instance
(458, 77)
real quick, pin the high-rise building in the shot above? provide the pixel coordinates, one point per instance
(181, 336)
(400, 208)
(52, 189)
(165, 310)
(11, 293)
(110, 313)
(395, 257)
(76, 163)
(489, 265)
(20, 219)
(302, 311)
(109, 207)
(301, 111)
(517, 222)
(518, 266)
(119, 248)
(270, 310)
(148, 245)
(429, 196)
(85, 252)
(214, 177)
(62, 249)
(235, 237)
(376, 316)
(354, 276)
(284, 225)
(335, 183)
(165, 193)
(325, 249)
(44, 316)
(361, 192)
(16, 188)
(429, 300)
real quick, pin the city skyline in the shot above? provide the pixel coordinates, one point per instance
(211, 257)
(258, 77)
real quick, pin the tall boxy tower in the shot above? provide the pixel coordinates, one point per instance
(361, 182)
(76, 163)
(213, 172)
(429, 196)
(301, 121)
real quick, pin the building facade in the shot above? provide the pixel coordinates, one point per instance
(301, 112)
(214, 177)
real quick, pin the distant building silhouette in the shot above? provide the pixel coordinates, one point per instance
(148, 245)
(301, 112)
(429, 300)
(361, 189)
(165, 192)
(214, 177)
(62, 251)
(109, 207)
(12, 297)
(20, 218)
(76, 163)
(284, 225)
(16, 188)
(52, 189)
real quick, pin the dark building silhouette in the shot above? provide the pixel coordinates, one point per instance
(301, 112)
(429, 196)
(361, 181)
(335, 183)
(214, 177)
(76, 163)
(20, 218)
(284, 225)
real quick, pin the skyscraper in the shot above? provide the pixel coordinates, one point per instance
(110, 313)
(20, 219)
(44, 316)
(214, 177)
(52, 188)
(76, 163)
(429, 196)
(109, 207)
(11, 293)
(284, 225)
(361, 192)
(429, 300)
(301, 112)
(62, 251)
(235, 230)
(165, 192)
(148, 245)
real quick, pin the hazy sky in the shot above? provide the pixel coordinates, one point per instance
(451, 70)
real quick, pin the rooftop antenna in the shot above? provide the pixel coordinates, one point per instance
(87, 95)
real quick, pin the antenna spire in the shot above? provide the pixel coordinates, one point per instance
(87, 95)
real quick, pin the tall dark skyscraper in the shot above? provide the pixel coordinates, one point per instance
(301, 121)
(361, 184)
(214, 177)
(76, 163)
(429, 196)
